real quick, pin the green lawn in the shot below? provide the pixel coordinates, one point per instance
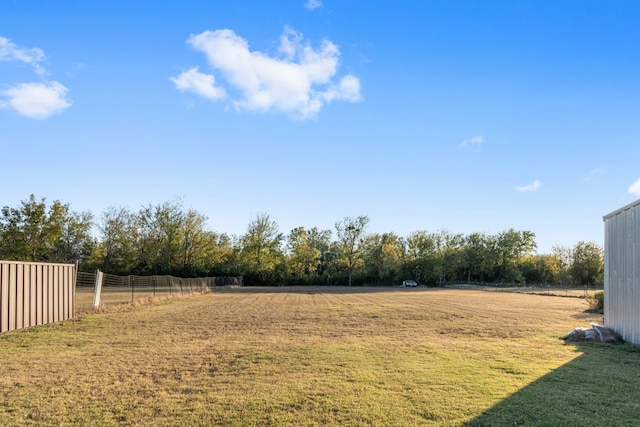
(322, 356)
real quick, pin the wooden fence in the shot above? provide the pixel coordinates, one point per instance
(35, 294)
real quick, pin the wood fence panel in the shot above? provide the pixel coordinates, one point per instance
(39, 294)
(12, 296)
(30, 281)
(35, 294)
(4, 297)
(19, 296)
(45, 295)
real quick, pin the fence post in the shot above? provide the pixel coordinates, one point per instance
(75, 283)
(97, 289)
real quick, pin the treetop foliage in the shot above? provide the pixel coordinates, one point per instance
(169, 239)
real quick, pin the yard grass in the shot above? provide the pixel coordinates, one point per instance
(322, 356)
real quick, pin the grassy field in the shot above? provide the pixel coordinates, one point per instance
(322, 356)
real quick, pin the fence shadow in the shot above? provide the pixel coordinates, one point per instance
(599, 387)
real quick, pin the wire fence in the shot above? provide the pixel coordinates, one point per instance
(557, 290)
(100, 289)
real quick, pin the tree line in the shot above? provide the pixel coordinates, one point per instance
(168, 239)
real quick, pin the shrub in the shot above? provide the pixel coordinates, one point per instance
(596, 302)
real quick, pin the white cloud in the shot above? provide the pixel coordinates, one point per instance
(476, 140)
(37, 100)
(197, 82)
(11, 52)
(313, 4)
(529, 187)
(299, 81)
(33, 100)
(635, 188)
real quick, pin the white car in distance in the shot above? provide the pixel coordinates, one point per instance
(409, 284)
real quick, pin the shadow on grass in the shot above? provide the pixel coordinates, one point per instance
(600, 387)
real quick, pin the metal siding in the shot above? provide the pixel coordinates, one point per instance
(634, 277)
(622, 273)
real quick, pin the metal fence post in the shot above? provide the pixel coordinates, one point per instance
(97, 289)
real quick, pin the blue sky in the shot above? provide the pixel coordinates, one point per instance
(466, 116)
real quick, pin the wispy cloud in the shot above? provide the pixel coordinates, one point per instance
(593, 174)
(635, 188)
(529, 187)
(299, 79)
(476, 140)
(9, 52)
(313, 4)
(37, 100)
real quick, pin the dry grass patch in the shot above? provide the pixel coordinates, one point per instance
(301, 356)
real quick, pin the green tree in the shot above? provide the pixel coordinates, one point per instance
(587, 267)
(76, 242)
(510, 246)
(477, 260)
(351, 233)
(226, 254)
(261, 249)
(563, 258)
(383, 256)
(327, 266)
(195, 243)
(448, 253)
(37, 232)
(118, 239)
(159, 237)
(304, 258)
(224, 259)
(420, 257)
(540, 269)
